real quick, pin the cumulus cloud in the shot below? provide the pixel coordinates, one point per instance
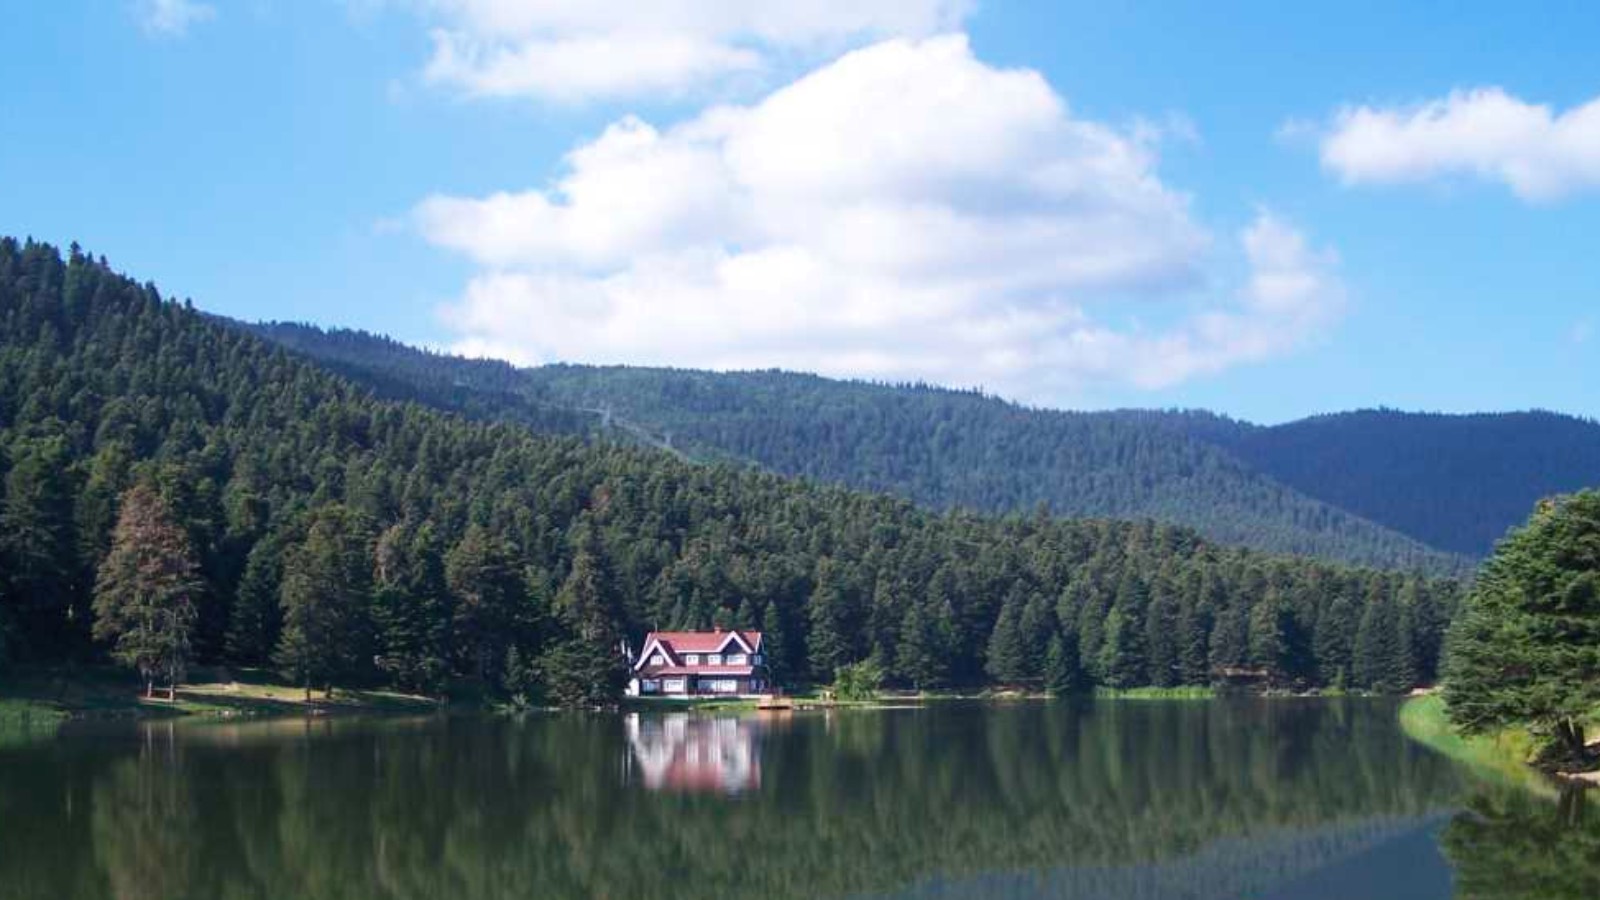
(904, 212)
(575, 50)
(172, 18)
(1485, 134)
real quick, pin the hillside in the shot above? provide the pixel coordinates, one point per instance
(936, 447)
(435, 548)
(1453, 482)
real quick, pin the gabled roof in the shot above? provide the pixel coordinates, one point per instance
(674, 644)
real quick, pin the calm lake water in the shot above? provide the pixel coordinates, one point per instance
(1288, 800)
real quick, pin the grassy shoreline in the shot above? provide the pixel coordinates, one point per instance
(1504, 757)
(46, 699)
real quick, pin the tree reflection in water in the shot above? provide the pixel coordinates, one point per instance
(1510, 845)
(1034, 799)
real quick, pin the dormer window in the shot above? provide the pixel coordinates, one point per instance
(736, 659)
(658, 660)
(714, 659)
(692, 659)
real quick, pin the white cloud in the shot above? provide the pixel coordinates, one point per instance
(575, 50)
(905, 212)
(172, 18)
(1485, 134)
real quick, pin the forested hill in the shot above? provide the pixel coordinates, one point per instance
(937, 447)
(1454, 482)
(346, 539)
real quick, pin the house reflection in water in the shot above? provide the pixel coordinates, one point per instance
(693, 753)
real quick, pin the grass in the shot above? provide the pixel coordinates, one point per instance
(1189, 692)
(1503, 757)
(104, 693)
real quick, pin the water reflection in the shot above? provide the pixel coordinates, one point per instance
(694, 753)
(1032, 800)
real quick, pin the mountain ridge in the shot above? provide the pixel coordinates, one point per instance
(956, 448)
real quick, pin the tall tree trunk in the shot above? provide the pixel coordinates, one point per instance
(149, 688)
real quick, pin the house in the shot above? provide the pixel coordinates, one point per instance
(699, 664)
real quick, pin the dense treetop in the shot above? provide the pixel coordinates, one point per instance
(341, 537)
(1380, 488)
(1525, 650)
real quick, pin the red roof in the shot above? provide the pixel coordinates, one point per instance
(701, 641)
(668, 671)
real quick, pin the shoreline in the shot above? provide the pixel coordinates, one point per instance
(1504, 756)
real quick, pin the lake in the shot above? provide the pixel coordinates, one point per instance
(1280, 799)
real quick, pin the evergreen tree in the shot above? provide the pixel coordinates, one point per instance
(257, 615)
(1161, 638)
(485, 590)
(584, 666)
(38, 558)
(1062, 673)
(144, 593)
(828, 642)
(775, 643)
(409, 599)
(1526, 648)
(1007, 656)
(325, 593)
(922, 659)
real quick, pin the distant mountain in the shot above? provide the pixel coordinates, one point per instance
(1453, 482)
(939, 447)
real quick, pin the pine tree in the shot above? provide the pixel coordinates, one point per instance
(144, 594)
(1526, 648)
(1161, 638)
(921, 657)
(775, 643)
(1062, 673)
(1122, 656)
(38, 556)
(325, 593)
(1007, 657)
(484, 588)
(828, 641)
(584, 665)
(257, 617)
(409, 608)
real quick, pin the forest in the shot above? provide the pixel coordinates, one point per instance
(301, 522)
(1377, 487)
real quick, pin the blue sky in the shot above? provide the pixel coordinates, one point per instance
(1266, 209)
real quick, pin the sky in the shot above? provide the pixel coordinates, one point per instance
(1266, 209)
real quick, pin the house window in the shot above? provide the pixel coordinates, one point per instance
(658, 660)
(736, 659)
(673, 686)
(756, 659)
(714, 659)
(650, 686)
(692, 659)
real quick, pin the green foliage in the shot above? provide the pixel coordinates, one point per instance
(1063, 674)
(319, 515)
(327, 583)
(858, 681)
(1526, 649)
(952, 449)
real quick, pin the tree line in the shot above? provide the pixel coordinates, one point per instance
(939, 447)
(279, 515)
